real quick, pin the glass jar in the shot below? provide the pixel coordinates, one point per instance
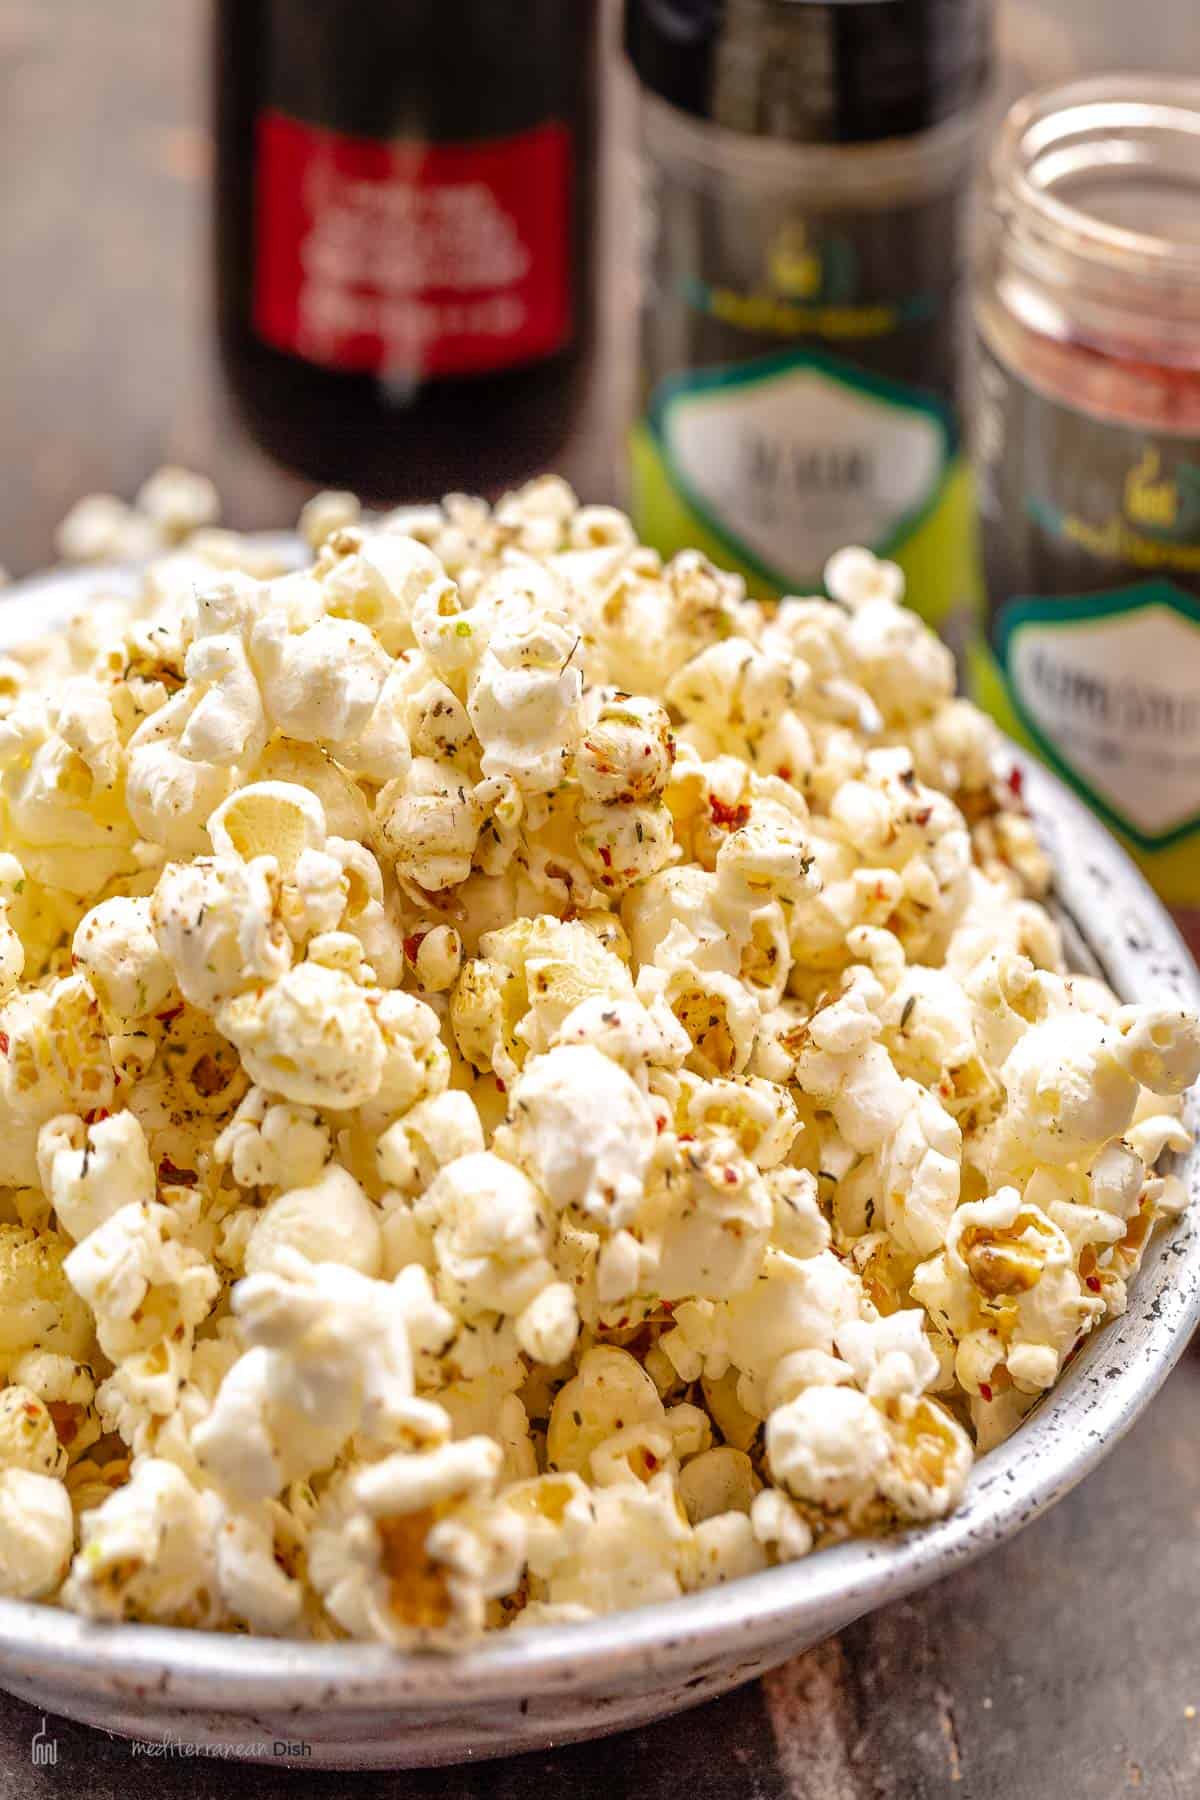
(1087, 445)
(804, 166)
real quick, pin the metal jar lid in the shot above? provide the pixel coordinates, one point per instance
(813, 71)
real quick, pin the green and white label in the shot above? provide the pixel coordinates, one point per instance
(1108, 686)
(789, 457)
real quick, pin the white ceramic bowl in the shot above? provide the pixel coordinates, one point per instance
(363, 1706)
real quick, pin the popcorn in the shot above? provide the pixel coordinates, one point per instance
(610, 1393)
(328, 512)
(67, 1390)
(654, 619)
(722, 1548)
(430, 823)
(331, 1354)
(147, 1552)
(310, 1037)
(178, 501)
(1068, 1090)
(169, 794)
(12, 950)
(779, 1526)
(549, 1325)
(855, 578)
(716, 1482)
(141, 1282)
(64, 789)
(274, 1144)
(888, 1357)
(438, 959)
(254, 1589)
(416, 1063)
(841, 1064)
(216, 921)
(185, 1084)
(490, 1235)
(931, 1458)
(627, 750)
(115, 946)
(1007, 1264)
(799, 1226)
(524, 695)
(534, 973)
(320, 682)
(330, 1222)
(623, 845)
(226, 720)
(38, 1306)
(437, 720)
(37, 1534)
(343, 801)
(914, 1181)
(269, 818)
(735, 692)
(829, 1446)
(431, 1134)
(395, 1556)
(1161, 1049)
(794, 1305)
(632, 1555)
(530, 1083)
(378, 579)
(101, 528)
(575, 1090)
(88, 1172)
(28, 1438)
(714, 1215)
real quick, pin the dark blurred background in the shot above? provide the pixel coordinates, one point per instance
(107, 359)
(108, 365)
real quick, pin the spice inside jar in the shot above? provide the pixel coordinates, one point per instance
(1087, 446)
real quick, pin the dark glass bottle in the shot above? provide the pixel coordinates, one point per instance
(405, 234)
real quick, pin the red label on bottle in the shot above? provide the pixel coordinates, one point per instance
(412, 259)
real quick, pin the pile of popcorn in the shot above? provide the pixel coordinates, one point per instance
(529, 1083)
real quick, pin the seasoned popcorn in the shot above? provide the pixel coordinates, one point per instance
(529, 1083)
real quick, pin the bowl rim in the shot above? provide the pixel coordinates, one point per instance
(1100, 1395)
